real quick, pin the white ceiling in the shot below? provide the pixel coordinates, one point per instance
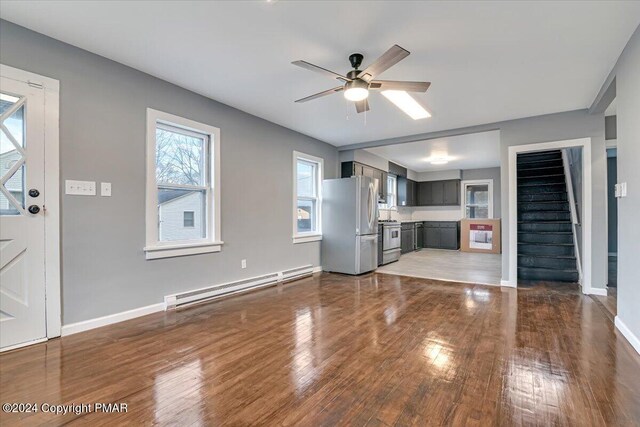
(487, 61)
(472, 151)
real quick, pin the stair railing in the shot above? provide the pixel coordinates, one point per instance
(575, 221)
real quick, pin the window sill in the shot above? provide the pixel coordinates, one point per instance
(304, 238)
(170, 251)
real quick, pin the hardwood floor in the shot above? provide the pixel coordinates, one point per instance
(377, 350)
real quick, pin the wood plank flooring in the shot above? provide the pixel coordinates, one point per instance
(375, 350)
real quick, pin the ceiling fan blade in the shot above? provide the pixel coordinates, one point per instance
(362, 106)
(386, 61)
(308, 66)
(321, 94)
(397, 85)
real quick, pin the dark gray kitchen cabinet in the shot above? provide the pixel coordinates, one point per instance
(442, 234)
(451, 192)
(438, 193)
(431, 237)
(419, 235)
(406, 191)
(350, 169)
(424, 194)
(407, 235)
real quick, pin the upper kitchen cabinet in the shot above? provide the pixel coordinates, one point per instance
(439, 193)
(350, 169)
(406, 192)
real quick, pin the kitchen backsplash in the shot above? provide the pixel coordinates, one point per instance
(431, 213)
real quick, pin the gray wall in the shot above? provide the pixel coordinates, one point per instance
(487, 173)
(610, 128)
(102, 138)
(627, 78)
(558, 127)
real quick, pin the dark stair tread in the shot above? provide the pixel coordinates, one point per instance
(540, 184)
(571, 270)
(544, 244)
(568, 257)
(535, 162)
(545, 232)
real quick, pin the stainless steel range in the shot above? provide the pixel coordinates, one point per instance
(390, 242)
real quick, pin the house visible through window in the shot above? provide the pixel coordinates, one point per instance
(188, 219)
(478, 199)
(307, 197)
(183, 195)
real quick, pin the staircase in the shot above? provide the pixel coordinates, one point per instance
(545, 234)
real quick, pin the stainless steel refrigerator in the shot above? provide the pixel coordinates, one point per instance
(350, 225)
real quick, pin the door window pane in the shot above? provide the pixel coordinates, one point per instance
(306, 178)
(15, 187)
(179, 158)
(306, 215)
(477, 201)
(173, 204)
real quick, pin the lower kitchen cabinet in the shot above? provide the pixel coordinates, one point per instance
(407, 235)
(442, 234)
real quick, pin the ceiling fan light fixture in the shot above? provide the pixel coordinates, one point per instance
(406, 103)
(356, 90)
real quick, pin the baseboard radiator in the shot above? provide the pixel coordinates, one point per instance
(217, 291)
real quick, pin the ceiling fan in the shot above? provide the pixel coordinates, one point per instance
(357, 83)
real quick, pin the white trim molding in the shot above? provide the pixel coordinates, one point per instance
(51, 88)
(626, 332)
(514, 150)
(86, 325)
(508, 284)
(316, 235)
(154, 248)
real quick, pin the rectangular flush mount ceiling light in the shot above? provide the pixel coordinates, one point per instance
(406, 103)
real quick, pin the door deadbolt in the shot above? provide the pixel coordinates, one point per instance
(34, 193)
(34, 209)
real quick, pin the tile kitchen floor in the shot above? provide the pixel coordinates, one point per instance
(448, 265)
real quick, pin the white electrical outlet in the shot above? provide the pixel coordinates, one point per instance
(80, 188)
(105, 189)
(243, 263)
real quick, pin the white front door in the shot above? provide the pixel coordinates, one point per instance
(22, 224)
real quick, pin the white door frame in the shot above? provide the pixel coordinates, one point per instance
(51, 205)
(514, 150)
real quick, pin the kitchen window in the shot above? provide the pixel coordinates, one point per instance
(307, 197)
(183, 191)
(392, 193)
(478, 198)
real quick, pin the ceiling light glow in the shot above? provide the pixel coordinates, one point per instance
(356, 90)
(439, 160)
(406, 103)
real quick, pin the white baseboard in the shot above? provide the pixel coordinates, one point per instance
(595, 291)
(626, 332)
(74, 328)
(508, 284)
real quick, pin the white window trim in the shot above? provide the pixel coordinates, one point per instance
(383, 206)
(155, 249)
(312, 236)
(463, 197)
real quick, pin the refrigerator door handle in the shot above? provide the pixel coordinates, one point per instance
(369, 237)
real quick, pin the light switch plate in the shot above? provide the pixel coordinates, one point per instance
(105, 189)
(80, 188)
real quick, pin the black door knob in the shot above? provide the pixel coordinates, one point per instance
(34, 209)
(34, 193)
